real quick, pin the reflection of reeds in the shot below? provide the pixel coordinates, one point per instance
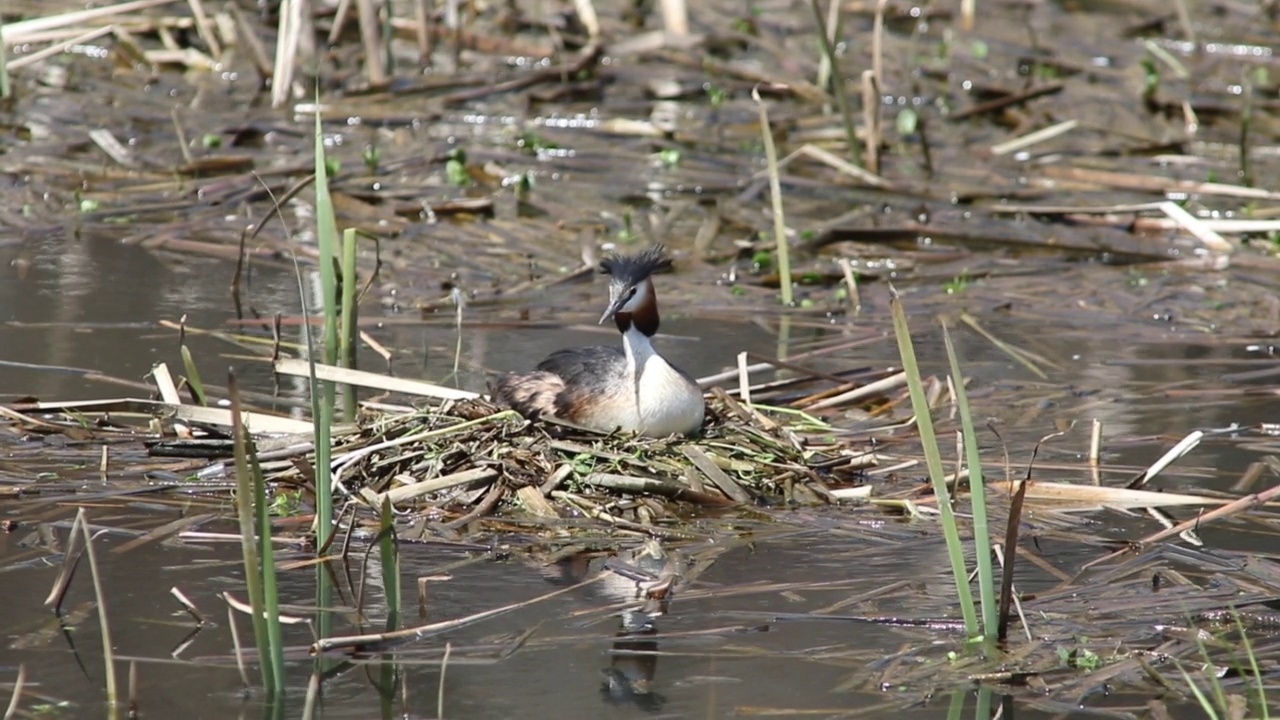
(104, 625)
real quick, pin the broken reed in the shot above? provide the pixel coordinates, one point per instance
(933, 460)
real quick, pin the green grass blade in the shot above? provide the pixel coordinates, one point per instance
(6, 87)
(323, 392)
(956, 707)
(322, 406)
(327, 243)
(775, 195)
(193, 375)
(349, 337)
(1201, 700)
(270, 592)
(249, 548)
(977, 494)
(1259, 685)
(982, 709)
(933, 460)
(838, 84)
(390, 556)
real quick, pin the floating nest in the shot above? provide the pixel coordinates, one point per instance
(454, 466)
(461, 462)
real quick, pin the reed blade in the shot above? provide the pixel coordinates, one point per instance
(933, 460)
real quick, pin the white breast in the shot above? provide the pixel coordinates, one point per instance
(667, 402)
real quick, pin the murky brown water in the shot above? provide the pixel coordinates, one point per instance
(96, 254)
(66, 314)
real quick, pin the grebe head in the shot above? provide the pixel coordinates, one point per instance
(632, 300)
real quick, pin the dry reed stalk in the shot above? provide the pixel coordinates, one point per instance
(1033, 138)
(18, 683)
(871, 114)
(675, 17)
(288, 41)
(205, 28)
(371, 38)
(422, 32)
(1232, 508)
(590, 20)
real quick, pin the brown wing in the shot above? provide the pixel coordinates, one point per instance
(532, 394)
(569, 384)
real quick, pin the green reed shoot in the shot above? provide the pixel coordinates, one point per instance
(837, 84)
(266, 551)
(956, 707)
(349, 336)
(6, 88)
(322, 402)
(933, 460)
(390, 557)
(1219, 701)
(255, 547)
(193, 375)
(1255, 671)
(1219, 704)
(775, 195)
(977, 496)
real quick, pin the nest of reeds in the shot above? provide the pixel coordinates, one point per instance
(458, 462)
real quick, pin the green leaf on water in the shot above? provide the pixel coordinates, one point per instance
(908, 121)
(372, 157)
(455, 169)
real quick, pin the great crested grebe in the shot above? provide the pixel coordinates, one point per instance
(631, 388)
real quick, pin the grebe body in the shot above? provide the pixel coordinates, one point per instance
(631, 388)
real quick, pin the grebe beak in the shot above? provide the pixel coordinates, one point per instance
(615, 304)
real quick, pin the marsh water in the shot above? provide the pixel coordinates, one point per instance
(104, 256)
(712, 657)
